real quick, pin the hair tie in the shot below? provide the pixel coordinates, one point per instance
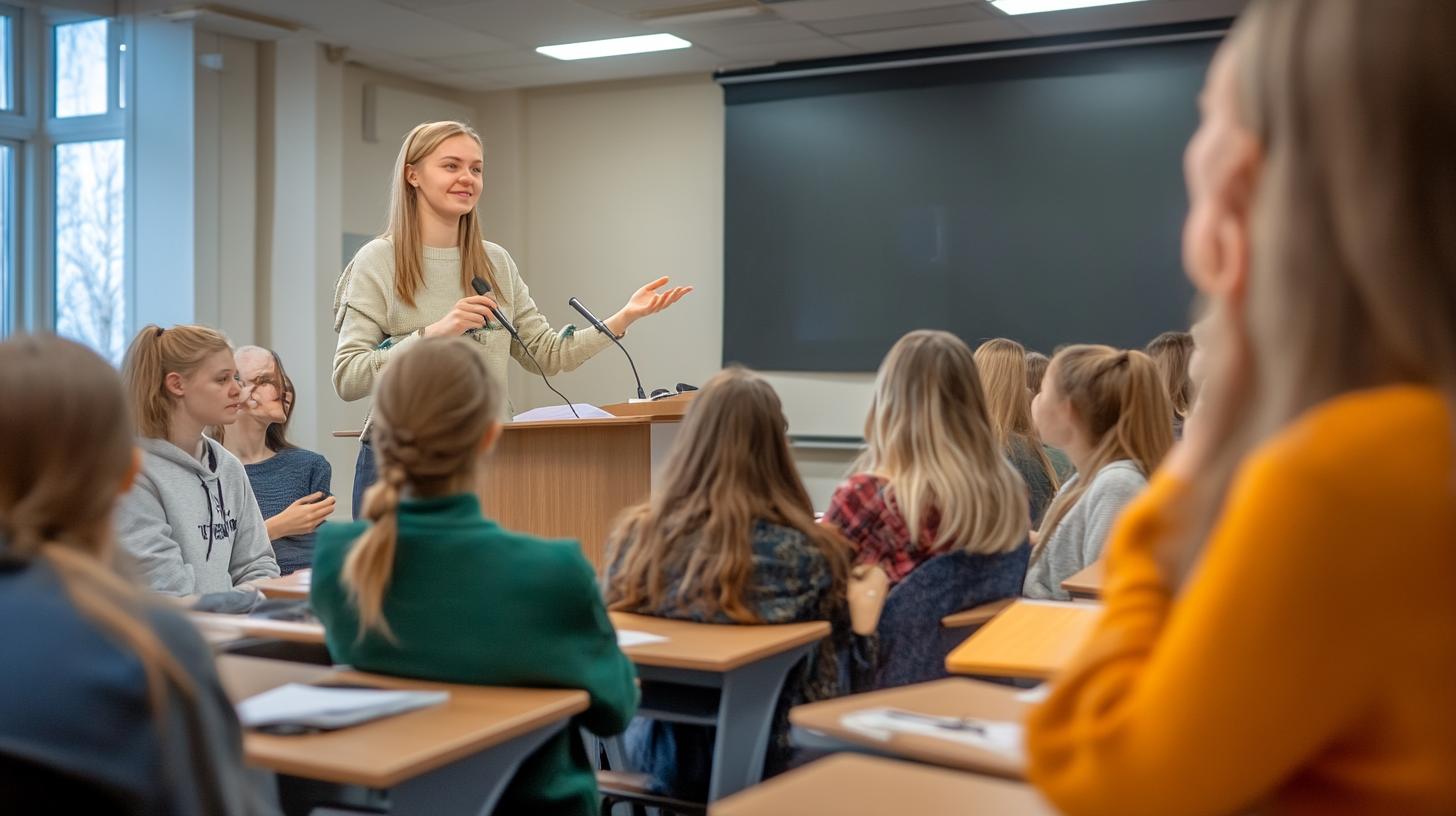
(160, 330)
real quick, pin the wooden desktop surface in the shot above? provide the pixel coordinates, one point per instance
(953, 697)
(383, 753)
(854, 785)
(1088, 582)
(1029, 639)
(215, 628)
(293, 586)
(713, 647)
(976, 615)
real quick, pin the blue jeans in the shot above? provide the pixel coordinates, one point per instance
(365, 474)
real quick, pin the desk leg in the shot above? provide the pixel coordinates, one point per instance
(472, 785)
(745, 718)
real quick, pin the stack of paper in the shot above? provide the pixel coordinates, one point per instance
(996, 736)
(299, 705)
(631, 637)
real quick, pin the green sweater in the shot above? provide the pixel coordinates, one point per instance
(470, 602)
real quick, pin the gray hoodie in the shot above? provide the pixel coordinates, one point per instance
(1080, 535)
(193, 527)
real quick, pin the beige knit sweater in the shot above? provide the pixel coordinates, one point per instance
(373, 325)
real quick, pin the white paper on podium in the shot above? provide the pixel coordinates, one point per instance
(548, 412)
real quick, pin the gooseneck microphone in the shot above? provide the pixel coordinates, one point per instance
(602, 327)
(482, 288)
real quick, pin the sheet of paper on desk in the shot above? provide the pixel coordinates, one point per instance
(996, 736)
(1035, 694)
(630, 637)
(299, 704)
(546, 412)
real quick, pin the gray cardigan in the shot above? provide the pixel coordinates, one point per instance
(1078, 538)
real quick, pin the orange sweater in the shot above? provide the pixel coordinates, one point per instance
(1309, 667)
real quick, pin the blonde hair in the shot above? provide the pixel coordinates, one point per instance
(1170, 352)
(1351, 285)
(729, 468)
(154, 353)
(1002, 364)
(432, 408)
(1036, 366)
(1118, 399)
(68, 449)
(929, 436)
(403, 230)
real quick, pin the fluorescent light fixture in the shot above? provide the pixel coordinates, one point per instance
(614, 48)
(1039, 6)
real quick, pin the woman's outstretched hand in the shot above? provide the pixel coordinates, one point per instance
(650, 299)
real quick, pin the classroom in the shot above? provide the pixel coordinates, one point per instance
(727, 407)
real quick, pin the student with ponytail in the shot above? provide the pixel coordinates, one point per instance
(428, 587)
(111, 702)
(1279, 625)
(1108, 409)
(191, 522)
(1002, 364)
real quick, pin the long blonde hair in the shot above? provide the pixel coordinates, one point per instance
(1353, 258)
(68, 449)
(1002, 364)
(431, 410)
(403, 230)
(729, 468)
(154, 353)
(1170, 352)
(929, 436)
(1119, 400)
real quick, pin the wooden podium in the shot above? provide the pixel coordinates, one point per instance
(572, 478)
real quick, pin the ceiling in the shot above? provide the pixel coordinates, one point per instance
(481, 45)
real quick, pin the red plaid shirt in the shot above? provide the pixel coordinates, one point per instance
(867, 516)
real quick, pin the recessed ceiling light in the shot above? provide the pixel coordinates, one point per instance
(614, 48)
(1039, 6)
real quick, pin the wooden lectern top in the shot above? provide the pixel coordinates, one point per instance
(667, 409)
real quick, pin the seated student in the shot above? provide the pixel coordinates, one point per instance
(430, 588)
(1002, 364)
(1172, 351)
(111, 702)
(1109, 411)
(190, 523)
(729, 537)
(1036, 366)
(1278, 629)
(292, 484)
(932, 478)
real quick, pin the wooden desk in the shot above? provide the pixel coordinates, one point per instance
(454, 758)
(745, 665)
(850, 785)
(976, 615)
(1087, 584)
(293, 587)
(817, 725)
(215, 628)
(1029, 639)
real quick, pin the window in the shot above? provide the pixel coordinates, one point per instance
(63, 191)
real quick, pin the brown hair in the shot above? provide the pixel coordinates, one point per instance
(1119, 400)
(68, 448)
(153, 354)
(1353, 105)
(403, 230)
(929, 436)
(275, 437)
(729, 468)
(1036, 366)
(1002, 364)
(432, 408)
(1170, 352)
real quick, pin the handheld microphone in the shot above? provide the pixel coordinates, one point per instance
(482, 288)
(602, 327)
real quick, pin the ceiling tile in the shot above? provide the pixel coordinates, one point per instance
(386, 28)
(718, 36)
(489, 60)
(763, 53)
(908, 19)
(540, 22)
(934, 36)
(642, 65)
(809, 10)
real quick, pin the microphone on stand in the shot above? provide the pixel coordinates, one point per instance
(482, 288)
(602, 327)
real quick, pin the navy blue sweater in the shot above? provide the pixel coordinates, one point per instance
(281, 480)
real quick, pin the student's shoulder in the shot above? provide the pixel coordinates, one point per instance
(181, 638)
(302, 458)
(860, 489)
(1119, 475)
(549, 560)
(334, 539)
(377, 254)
